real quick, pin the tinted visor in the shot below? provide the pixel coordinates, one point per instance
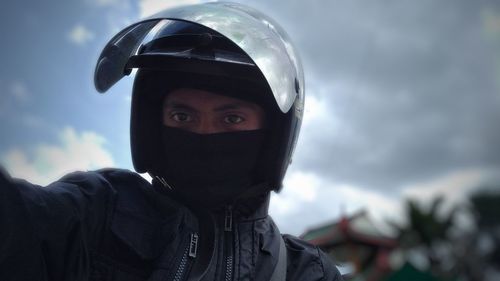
(263, 42)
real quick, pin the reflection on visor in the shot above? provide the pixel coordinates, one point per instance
(111, 64)
(265, 43)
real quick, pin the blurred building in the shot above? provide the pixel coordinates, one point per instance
(361, 250)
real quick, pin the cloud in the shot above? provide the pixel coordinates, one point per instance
(150, 7)
(401, 93)
(15, 96)
(20, 92)
(399, 97)
(128, 99)
(454, 187)
(36, 122)
(300, 188)
(107, 3)
(80, 35)
(308, 200)
(47, 162)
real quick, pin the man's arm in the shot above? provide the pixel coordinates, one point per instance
(46, 232)
(308, 262)
(331, 271)
(19, 247)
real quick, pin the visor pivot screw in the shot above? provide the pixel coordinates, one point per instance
(297, 85)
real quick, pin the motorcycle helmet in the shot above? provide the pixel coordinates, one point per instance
(216, 46)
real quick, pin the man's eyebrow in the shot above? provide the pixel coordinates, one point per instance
(177, 105)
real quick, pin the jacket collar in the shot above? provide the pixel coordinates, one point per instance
(251, 206)
(145, 221)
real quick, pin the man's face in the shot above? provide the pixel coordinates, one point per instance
(205, 112)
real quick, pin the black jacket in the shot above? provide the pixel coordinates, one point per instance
(114, 225)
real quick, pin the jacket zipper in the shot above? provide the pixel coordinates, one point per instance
(187, 257)
(228, 243)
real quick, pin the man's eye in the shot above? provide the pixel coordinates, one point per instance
(233, 119)
(180, 117)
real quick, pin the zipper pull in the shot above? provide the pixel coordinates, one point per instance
(193, 245)
(228, 220)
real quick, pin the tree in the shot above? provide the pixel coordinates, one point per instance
(426, 233)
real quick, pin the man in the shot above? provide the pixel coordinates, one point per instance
(216, 110)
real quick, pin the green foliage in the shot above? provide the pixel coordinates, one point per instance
(424, 226)
(461, 255)
(486, 206)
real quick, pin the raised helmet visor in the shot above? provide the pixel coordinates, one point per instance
(258, 36)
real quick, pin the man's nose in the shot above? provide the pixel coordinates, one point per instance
(206, 126)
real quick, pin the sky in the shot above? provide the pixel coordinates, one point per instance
(402, 99)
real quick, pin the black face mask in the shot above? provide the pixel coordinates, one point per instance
(210, 170)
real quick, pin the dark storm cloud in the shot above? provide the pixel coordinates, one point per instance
(413, 86)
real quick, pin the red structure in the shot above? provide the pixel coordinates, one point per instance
(357, 245)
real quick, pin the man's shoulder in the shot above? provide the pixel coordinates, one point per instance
(301, 249)
(100, 187)
(106, 174)
(139, 214)
(75, 186)
(113, 178)
(308, 260)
